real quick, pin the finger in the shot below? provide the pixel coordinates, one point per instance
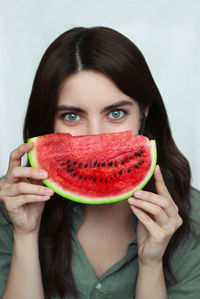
(167, 204)
(17, 154)
(28, 172)
(21, 200)
(26, 188)
(156, 211)
(160, 184)
(151, 226)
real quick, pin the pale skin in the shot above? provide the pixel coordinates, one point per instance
(89, 103)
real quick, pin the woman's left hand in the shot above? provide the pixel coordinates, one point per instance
(158, 219)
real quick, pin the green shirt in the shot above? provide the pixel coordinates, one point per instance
(119, 281)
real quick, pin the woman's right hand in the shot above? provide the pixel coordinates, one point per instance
(23, 193)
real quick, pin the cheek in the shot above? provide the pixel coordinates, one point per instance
(60, 127)
(132, 124)
(128, 125)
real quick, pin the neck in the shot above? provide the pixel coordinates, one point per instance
(118, 213)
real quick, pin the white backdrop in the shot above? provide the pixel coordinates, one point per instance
(166, 31)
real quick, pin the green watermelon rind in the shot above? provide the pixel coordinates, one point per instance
(101, 200)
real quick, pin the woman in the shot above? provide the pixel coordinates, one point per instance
(92, 81)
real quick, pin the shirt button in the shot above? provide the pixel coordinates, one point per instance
(98, 285)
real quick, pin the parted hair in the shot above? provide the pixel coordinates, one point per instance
(107, 51)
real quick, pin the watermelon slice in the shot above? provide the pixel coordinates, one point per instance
(94, 169)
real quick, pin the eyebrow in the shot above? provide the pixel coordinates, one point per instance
(107, 108)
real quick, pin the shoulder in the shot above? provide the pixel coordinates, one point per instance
(192, 242)
(195, 207)
(182, 262)
(6, 245)
(185, 261)
(195, 196)
(6, 230)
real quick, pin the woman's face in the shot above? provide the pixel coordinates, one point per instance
(90, 103)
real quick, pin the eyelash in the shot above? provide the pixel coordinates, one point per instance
(125, 112)
(71, 112)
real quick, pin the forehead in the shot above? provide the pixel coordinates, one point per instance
(87, 87)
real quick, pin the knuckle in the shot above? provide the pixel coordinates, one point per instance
(172, 229)
(176, 207)
(20, 187)
(143, 216)
(146, 219)
(14, 172)
(12, 155)
(166, 203)
(151, 195)
(32, 173)
(23, 199)
(7, 187)
(179, 221)
(42, 190)
(157, 211)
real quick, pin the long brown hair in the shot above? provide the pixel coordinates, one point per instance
(106, 51)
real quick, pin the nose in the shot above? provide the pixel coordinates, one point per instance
(95, 126)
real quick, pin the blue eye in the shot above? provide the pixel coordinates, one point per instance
(71, 116)
(116, 114)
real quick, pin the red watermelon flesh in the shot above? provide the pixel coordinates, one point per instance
(91, 169)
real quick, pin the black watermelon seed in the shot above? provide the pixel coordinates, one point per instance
(136, 166)
(115, 175)
(80, 164)
(95, 163)
(85, 178)
(105, 180)
(103, 164)
(110, 164)
(75, 163)
(74, 174)
(68, 161)
(123, 162)
(139, 154)
(86, 165)
(100, 180)
(111, 178)
(94, 179)
(128, 170)
(115, 163)
(80, 176)
(98, 164)
(70, 170)
(120, 172)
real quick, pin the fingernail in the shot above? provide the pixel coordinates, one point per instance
(131, 199)
(138, 193)
(46, 197)
(49, 191)
(158, 167)
(43, 173)
(30, 143)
